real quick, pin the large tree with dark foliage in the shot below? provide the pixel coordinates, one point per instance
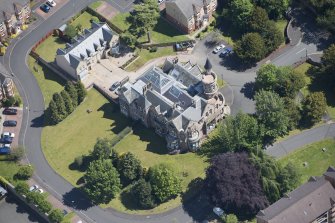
(251, 48)
(102, 149)
(275, 8)
(240, 12)
(235, 134)
(314, 107)
(71, 89)
(102, 181)
(129, 167)
(142, 193)
(233, 183)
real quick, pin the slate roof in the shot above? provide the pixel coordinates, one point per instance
(186, 6)
(87, 43)
(208, 65)
(304, 204)
(7, 6)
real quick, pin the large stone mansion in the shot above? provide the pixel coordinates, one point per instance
(179, 101)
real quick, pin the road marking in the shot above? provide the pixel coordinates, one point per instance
(300, 51)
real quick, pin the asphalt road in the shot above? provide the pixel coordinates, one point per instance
(33, 121)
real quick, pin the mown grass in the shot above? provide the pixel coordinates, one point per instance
(317, 160)
(47, 49)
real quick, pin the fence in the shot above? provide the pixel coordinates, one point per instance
(11, 190)
(146, 46)
(42, 40)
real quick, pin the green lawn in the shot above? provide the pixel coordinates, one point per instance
(145, 56)
(48, 81)
(47, 49)
(281, 25)
(78, 133)
(95, 5)
(151, 150)
(303, 68)
(8, 169)
(83, 19)
(317, 160)
(120, 20)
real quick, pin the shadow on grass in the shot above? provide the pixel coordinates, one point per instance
(128, 200)
(77, 199)
(111, 111)
(156, 143)
(165, 28)
(22, 208)
(50, 75)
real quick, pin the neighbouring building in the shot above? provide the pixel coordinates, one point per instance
(190, 15)
(313, 202)
(14, 16)
(6, 84)
(179, 101)
(87, 49)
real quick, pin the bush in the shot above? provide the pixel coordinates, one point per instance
(94, 19)
(22, 188)
(16, 154)
(142, 193)
(34, 198)
(8, 102)
(78, 161)
(153, 49)
(44, 206)
(56, 216)
(25, 172)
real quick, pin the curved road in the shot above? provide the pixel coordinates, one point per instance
(33, 122)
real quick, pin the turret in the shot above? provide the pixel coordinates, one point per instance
(209, 81)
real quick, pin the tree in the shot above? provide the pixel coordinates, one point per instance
(16, 154)
(216, 37)
(240, 12)
(142, 193)
(70, 31)
(258, 20)
(44, 206)
(289, 178)
(67, 102)
(328, 58)
(165, 184)
(144, 17)
(102, 149)
(34, 198)
(231, 218)
(22, 188)
(250, 48)
(81, 91)
(270, 111)
(52, 113)
(236, 134)
(327, 20)
(314, 107)
(71, 89)
(56, 216)
(128, 39)
(275, 8)
(129, 167)
(79, 28)
(24, 172)
(272, 36)
(102, 181)
(60, 105)
(293, 112)
(233, 183)
(266, 77)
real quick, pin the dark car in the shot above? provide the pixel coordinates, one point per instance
(45, 8)
(10, 111)
(115, 86)
(11, 123)
(6, 140)
(4, 150)
(226, 52)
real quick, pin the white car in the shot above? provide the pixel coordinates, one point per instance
(218, 211)
(6, 145)
(51, 3)
(160, 1)
(34, 187)
(8, 134)
(40, 191)
(218, 48)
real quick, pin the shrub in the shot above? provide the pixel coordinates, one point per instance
(56, 216)
(22, 187)
(142, 193)
(153, 49)
(16, 154)
(44, 206)
(78, 161)
(25, 172)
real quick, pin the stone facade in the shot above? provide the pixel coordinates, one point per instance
(190, 15)
(179, 101)
(7, 89)
(87, 49)
(14, 15)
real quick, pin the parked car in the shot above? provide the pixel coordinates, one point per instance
(10, 123)
(34, 187)
(40, 190)
(160, 1)
(45, 8)
(219, 48)
(9, 111)
(4, 150)
(226, 52)
(8, 134)
(218, 211)
(52, 3)
(115, 86)
(6, 145)
(6, 139)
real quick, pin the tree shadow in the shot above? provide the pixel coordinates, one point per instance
(22, 208)
(233, 62)
(128, 200)
(39, 122)
(111, 111)
(156, 143)
(248, 90)
(50, 75)
(77, 199)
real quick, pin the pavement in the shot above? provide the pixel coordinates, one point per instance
(239, 84)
